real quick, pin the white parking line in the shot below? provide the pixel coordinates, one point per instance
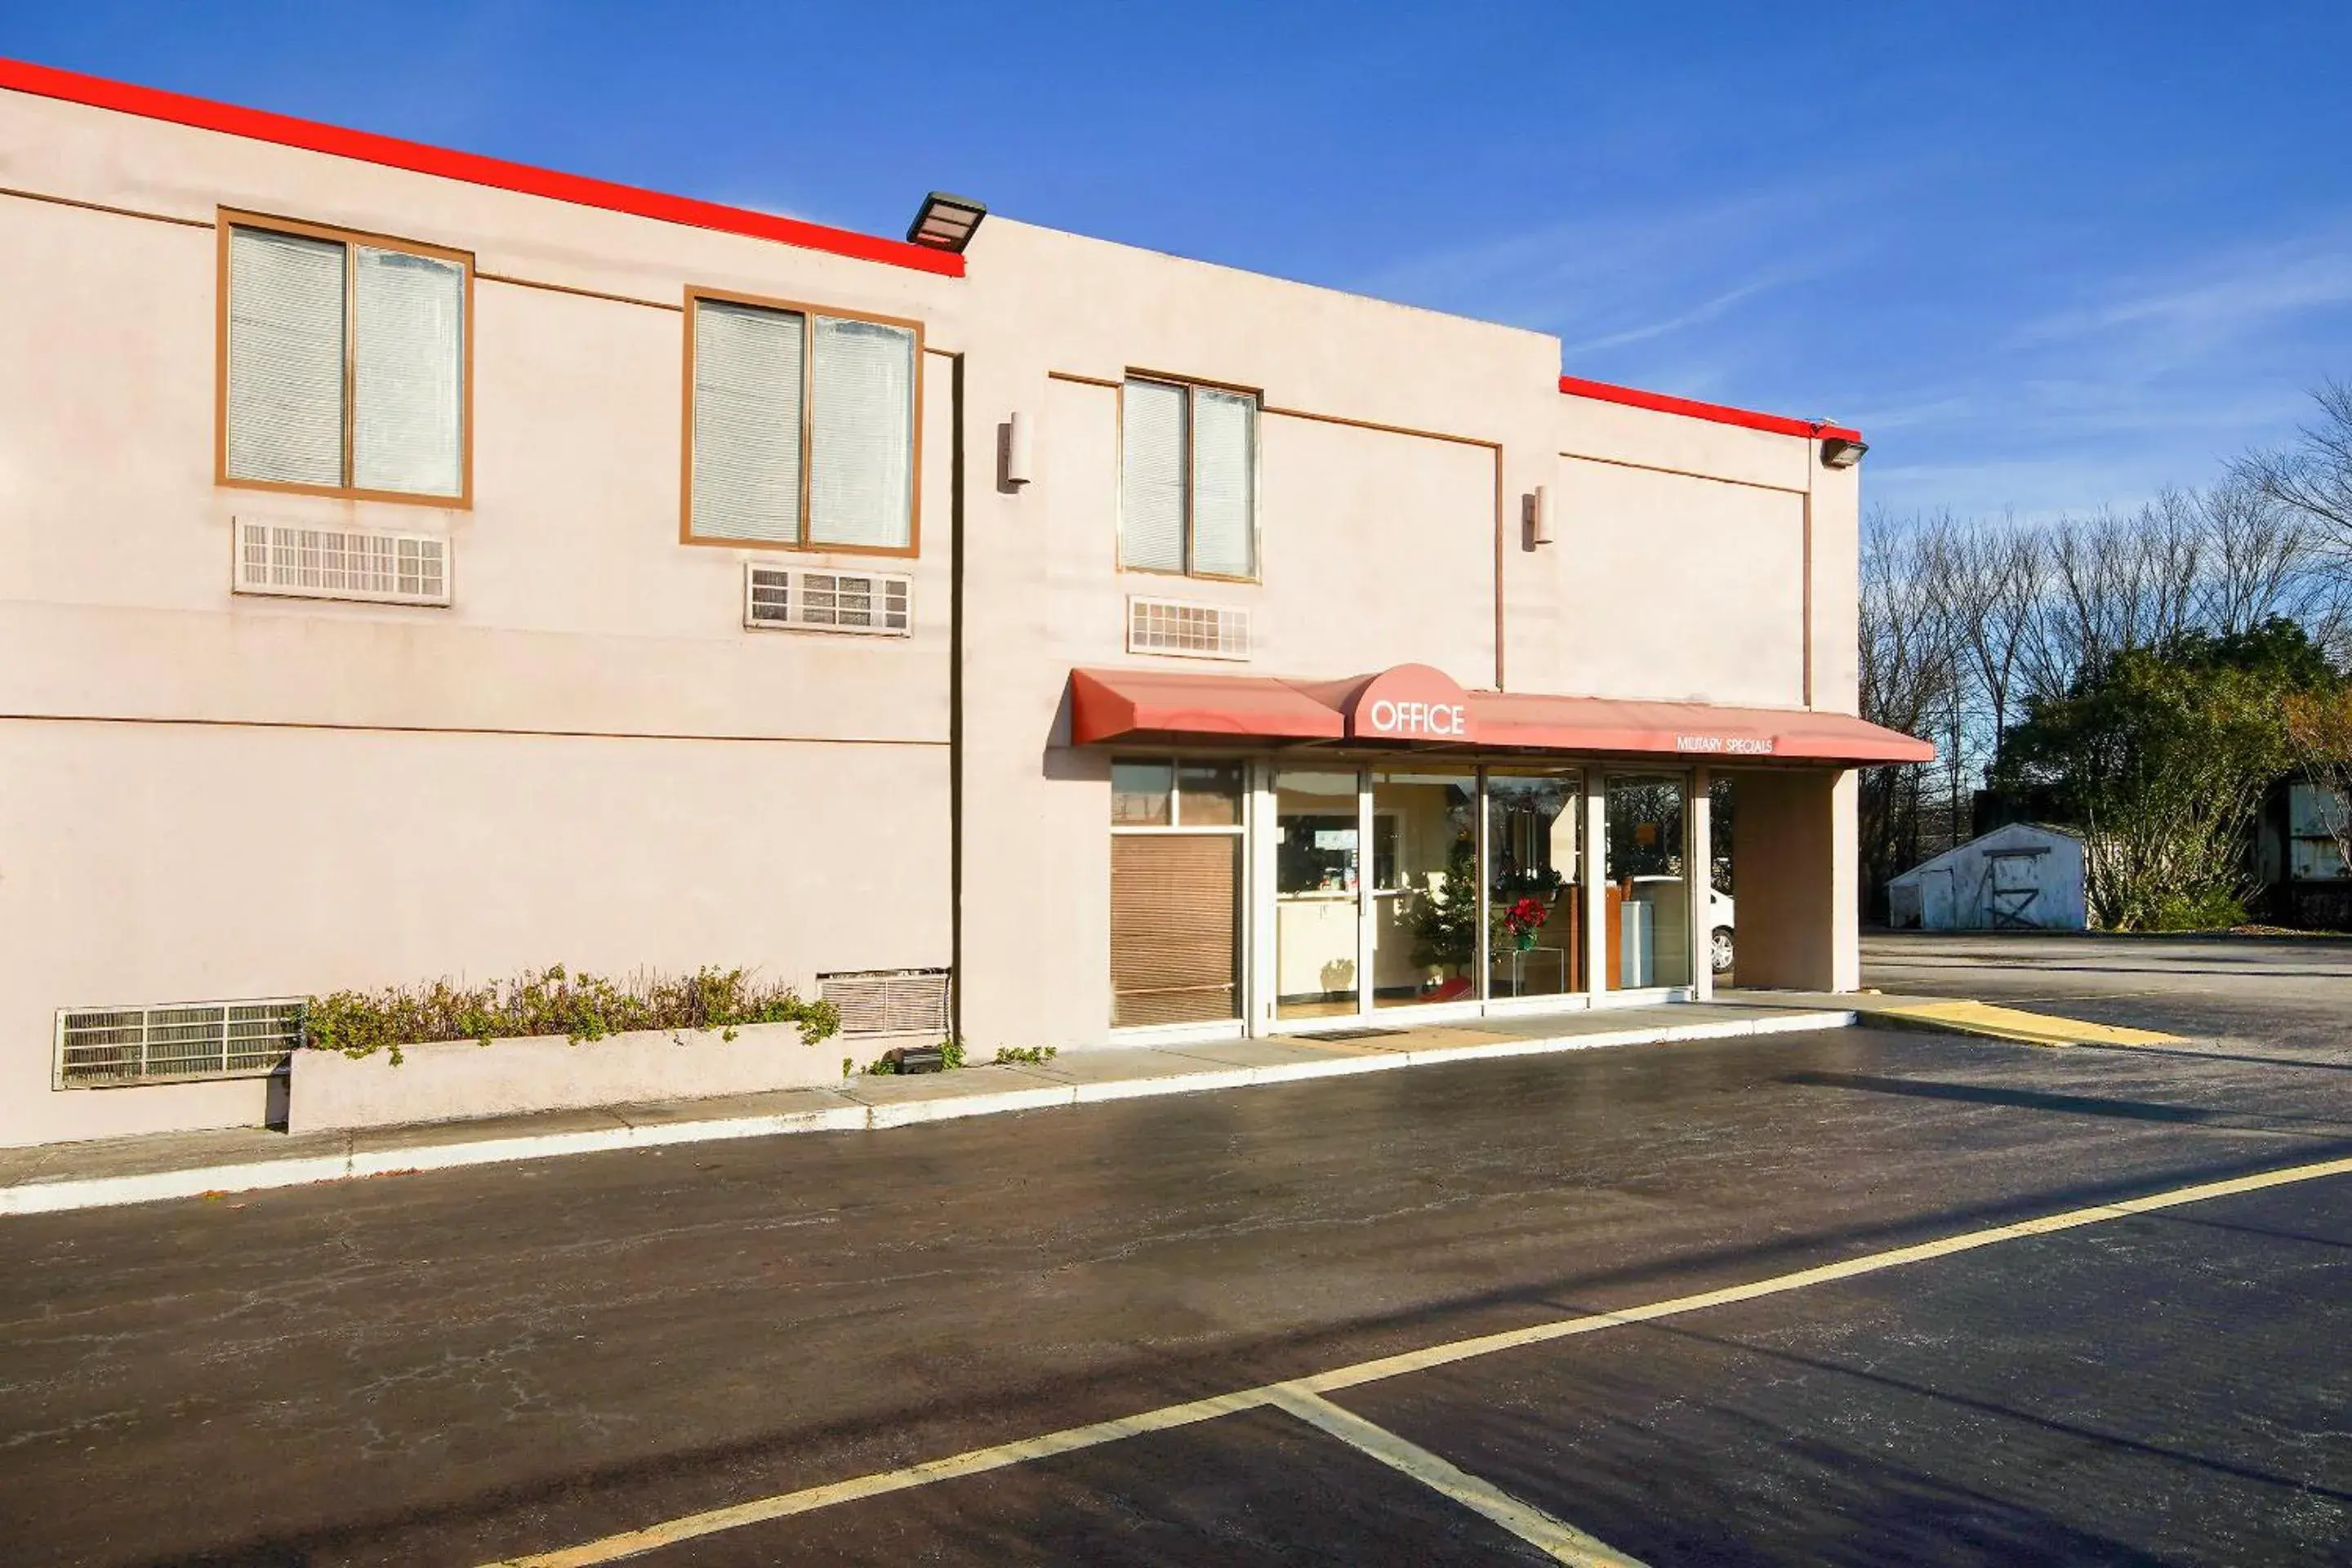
(1295, 1395)
(1562, 1541)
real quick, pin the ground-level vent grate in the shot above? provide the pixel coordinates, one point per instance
(338, 564)
(889, 1001)
(173, 1042)
(1196, 631)
(1352, 1034)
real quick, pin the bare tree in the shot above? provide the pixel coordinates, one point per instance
(2313, 476)
(1967, 624)
(2265, 559)
(1909, 668)
(1997, 570)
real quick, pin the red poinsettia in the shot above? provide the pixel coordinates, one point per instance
(1524, 917)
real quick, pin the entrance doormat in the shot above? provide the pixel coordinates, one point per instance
(1352, 1034)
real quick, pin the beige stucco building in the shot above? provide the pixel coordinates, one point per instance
(418, 565)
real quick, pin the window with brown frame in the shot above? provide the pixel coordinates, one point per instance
(1188, 479)
(344, 363)
(799, 427)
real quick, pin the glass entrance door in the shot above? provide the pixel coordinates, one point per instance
(1318, 893)
(1424, 889)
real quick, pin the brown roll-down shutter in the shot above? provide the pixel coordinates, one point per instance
(1175, 924)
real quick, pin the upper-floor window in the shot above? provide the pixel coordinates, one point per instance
(1188, 479)
(344, 363)
(799, 427)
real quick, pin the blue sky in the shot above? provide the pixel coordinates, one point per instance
(2049, 257)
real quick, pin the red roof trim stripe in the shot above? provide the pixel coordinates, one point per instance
(1721, 414)
(260, 125)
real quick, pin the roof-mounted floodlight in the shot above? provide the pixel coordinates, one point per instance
(946, 222)
(1842, 451)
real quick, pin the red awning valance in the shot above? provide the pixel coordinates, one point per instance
(1421, 706)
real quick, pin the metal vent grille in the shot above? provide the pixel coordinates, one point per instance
(331, 564)
(174, 1041)
(1198, 631)
(797, 598)
(889, 1001)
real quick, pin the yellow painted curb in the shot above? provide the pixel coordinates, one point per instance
(2028, 1028)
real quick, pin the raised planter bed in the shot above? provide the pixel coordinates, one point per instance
(455, 1081)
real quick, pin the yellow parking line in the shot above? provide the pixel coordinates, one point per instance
(1563, 1541)
(1293, 1395)
(760, 1511)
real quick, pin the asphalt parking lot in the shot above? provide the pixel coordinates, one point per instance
(1497, 1274)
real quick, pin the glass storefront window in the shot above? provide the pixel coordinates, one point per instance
(1424, 886)
(1648, 898)
(1143, 795)
(1317, 874)
(1534, 827)
(1208, 793)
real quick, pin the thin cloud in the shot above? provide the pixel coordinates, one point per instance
(2214, 301)
(1608, 283)
(1705, 311)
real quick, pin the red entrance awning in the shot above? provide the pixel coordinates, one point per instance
(1416, 704)
(1698, 730)
(1105, 704)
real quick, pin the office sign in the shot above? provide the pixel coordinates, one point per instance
(1410, 702)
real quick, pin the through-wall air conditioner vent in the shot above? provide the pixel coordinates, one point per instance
(1195, 631)
(795, 598)
(171, 1042)
(889, 1001)
(334, 563)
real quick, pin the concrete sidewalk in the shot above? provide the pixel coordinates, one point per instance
(143, 1170)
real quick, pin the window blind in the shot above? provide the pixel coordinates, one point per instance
(862, 434)
(408, 328)
(285, 358)
(747, 423)
(1175, 928)
(1151, 476)
(1224, 483)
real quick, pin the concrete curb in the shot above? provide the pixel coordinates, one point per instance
(107, 1192)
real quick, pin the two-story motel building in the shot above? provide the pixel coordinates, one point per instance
(421, 566)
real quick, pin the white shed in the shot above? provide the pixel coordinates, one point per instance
(2023, 876)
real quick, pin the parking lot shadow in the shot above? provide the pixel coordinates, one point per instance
(2077, 1104)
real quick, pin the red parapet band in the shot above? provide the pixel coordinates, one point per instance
(1691, 408)
(391, 151)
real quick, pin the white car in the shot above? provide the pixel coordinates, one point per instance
(1719, 921)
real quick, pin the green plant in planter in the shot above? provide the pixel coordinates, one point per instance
(555, 1001)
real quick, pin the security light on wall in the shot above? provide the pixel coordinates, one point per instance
(946, 222)
(1842, 451)
(1539, 516)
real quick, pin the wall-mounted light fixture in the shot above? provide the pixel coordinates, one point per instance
(946, 222)
(1019, 451)
(1842, 451)
(1539, 517)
